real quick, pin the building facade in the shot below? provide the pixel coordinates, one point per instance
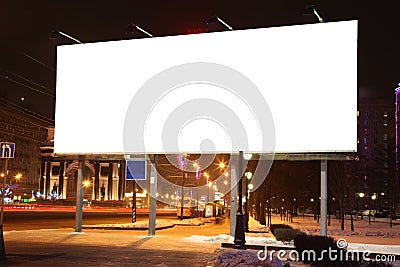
(103, 179)
(376, 148)
(28, 132)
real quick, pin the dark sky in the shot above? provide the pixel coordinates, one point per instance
(27, 54)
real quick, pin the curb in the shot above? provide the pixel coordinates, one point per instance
(95, 227)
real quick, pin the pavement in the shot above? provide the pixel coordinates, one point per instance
(63, 247)
(101, 246)
(105, 247)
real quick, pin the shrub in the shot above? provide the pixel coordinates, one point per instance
(313, 243)
(279, 226)
(286, 235)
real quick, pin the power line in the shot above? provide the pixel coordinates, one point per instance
(27, 86)
(26, 79)
(37, 61)
(27, 112)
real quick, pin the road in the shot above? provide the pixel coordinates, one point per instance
(42, 219)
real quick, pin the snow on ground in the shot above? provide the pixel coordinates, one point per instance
(160, 224)
(383, 249)
(140, 225)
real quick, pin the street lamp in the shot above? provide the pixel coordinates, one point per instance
(248, 175)
(18, 176)
(209, 184)
(247, 156)
(240, 238)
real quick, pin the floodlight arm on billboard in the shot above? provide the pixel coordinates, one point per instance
(145, 32)
(310, 9)
(132, 27)
(216, 19)
(56, 34)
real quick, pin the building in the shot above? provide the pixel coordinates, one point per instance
(103, 179)
(27, 131)
(376, 148)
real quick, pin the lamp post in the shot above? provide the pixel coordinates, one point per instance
(394, 199)
(239, 229)
(248, 175)
(2, 247)
(3, 191)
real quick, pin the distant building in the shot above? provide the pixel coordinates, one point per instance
(376, 147)
(28, 132)
(105, 179)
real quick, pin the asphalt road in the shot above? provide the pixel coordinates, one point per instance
(34, 220)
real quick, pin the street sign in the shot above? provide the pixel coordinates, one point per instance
(135, 170)
(7, 150)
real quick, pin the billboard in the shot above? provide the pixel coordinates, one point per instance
(289, 89)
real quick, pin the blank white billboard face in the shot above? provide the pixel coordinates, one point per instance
(284, 90)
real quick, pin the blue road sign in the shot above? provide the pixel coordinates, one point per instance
(135, 170)
(7, 150)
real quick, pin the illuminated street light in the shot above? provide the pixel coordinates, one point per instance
(361, 194)
(86, 183)
(247, 156)
(373, 197)
(2, 175)
(225, 182)
(251, 186)
(248, 175)
(222, 165)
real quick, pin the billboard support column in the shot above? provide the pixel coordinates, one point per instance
(79, 194)
(324, 197)
(153, 200)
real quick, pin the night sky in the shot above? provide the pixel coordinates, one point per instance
(28, 55)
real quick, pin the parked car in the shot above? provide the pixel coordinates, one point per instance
(367, 212)
(382, 214)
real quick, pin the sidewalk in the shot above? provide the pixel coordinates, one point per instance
(181, 245)
(63, 247)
